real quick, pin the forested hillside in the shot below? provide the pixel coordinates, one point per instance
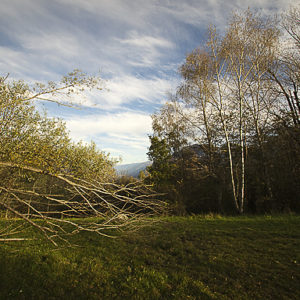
(133, 169)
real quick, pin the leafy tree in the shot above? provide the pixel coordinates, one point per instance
(162, 169)
(46, 178)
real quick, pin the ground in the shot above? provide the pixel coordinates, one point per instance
(197, 257)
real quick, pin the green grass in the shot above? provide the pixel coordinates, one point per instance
(179, 258)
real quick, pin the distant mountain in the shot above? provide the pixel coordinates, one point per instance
(132, 169)
(135, 168)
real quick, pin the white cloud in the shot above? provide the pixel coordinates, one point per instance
(127, 124)
(126, 89)
(121, 91)
(122, 134)
(145, 41)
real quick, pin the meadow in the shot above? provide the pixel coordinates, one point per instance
(196, 257)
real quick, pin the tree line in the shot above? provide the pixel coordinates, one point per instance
(228, 139)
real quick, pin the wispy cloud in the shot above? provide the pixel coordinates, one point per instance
(127, 89)
(145, 50)
(62, 44)
(119, 92)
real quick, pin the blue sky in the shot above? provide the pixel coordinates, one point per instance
(137, 45)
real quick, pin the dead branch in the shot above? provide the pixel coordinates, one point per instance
(114, 206)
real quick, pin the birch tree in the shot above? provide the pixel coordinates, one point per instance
(249, 47)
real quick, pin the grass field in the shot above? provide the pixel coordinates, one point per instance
(200, 257)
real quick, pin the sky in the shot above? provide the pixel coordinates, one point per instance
(136, 46)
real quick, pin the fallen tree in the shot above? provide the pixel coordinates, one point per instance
(99, 207)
